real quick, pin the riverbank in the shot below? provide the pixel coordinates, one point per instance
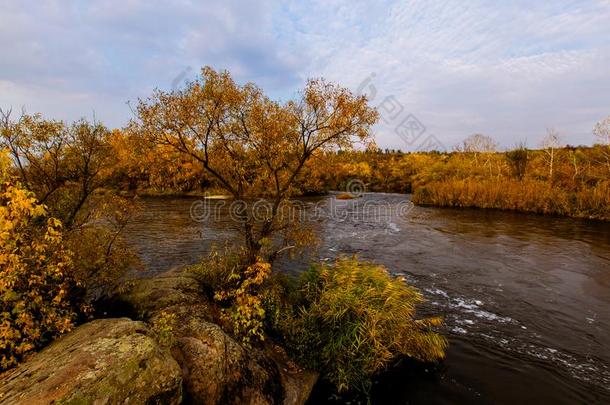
(531, 196)
(575, 183)
(210, 193)
(570, 181)
(536, 197)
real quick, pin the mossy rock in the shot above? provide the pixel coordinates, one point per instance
(216, 369)
(107, 361)
(175, 287)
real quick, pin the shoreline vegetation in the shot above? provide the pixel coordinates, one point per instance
(68, 191)
(571, 181)
(533, 198)
(576, 184)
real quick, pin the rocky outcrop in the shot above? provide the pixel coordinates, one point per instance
(149, 295)
(107, 361)
(215, 368)
(118, 361)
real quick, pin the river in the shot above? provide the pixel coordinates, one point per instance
(525, 298)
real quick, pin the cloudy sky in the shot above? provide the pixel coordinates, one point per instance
(449, 68)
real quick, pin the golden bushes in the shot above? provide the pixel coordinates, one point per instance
(348, 320)
(35, 273)
(163, 327)
(247, 312)
(240, 289)
(518, 195)
(571, 182)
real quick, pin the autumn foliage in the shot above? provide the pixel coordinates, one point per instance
(240, 290)
(35, 273)
(217, 134)
(251, 145)
(69, 168)
(61, 247)
(575, 182)
(66, 198)
(566, 181)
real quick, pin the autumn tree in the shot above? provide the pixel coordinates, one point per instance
(63, 165)
(550, 144)
(602, 133)
(252, 145)
(36, 146)
(66, 167)
(479, 143)
(142, 166)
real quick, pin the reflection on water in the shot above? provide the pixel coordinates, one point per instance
(526, 298)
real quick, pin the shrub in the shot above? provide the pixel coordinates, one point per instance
(163, 327)
(102, 260)
(352, 320)
(244, 292)
(35, 274)
(518, 159)
(246, 311)
(215, 270)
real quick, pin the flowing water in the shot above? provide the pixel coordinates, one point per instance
(526, 299)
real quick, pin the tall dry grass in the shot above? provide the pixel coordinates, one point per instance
(527, 195)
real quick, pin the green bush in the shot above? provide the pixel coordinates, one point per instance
(352, 319)
(214, 272)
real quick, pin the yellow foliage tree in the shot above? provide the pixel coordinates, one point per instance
(68, 169)
(251, 145)
(35, 273)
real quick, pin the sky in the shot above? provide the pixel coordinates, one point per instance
(438, 71)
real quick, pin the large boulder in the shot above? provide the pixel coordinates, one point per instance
(216, 369)
(107, 361)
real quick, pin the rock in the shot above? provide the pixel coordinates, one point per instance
(216, 369)
(297, 382)
(107, 361)
(177, 286)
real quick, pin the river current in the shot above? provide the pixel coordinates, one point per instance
(525, 298)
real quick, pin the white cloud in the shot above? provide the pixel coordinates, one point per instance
(115, 51)
(505, 69)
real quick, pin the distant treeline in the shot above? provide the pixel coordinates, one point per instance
(568, 181)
